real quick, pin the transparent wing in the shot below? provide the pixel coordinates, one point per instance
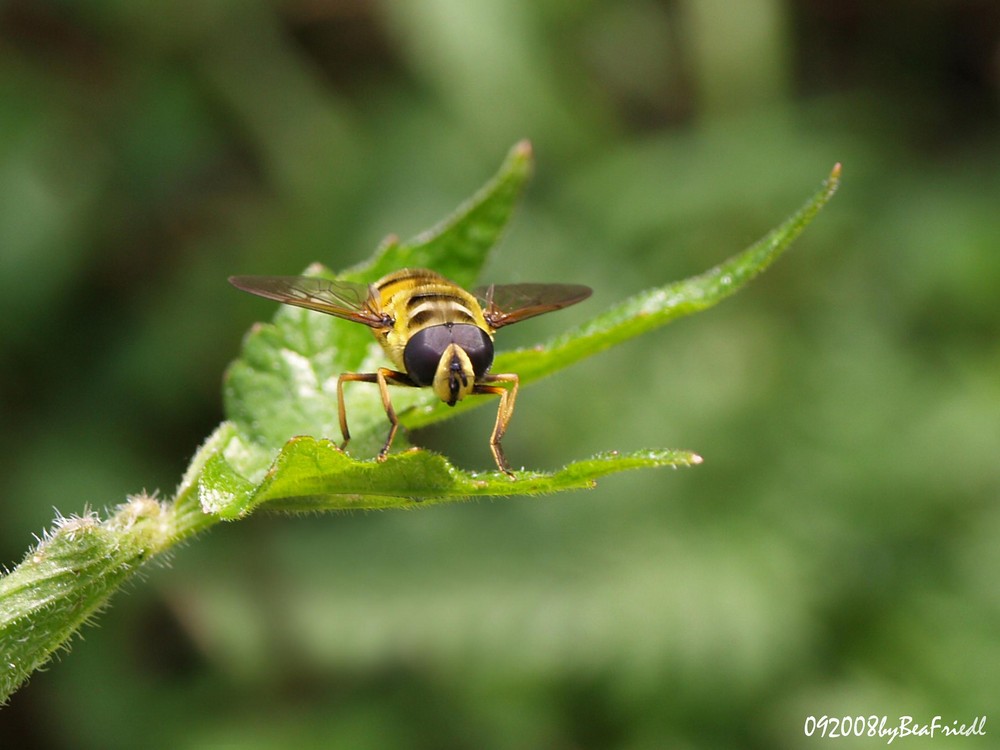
(504, 304)
(345, 299)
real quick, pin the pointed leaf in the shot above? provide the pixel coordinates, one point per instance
(311, 475)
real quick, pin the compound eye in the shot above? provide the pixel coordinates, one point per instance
(477, 344)
(423, 351)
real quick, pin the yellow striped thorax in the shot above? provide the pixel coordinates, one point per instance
(439, 335)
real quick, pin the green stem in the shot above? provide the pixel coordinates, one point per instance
(72, 572)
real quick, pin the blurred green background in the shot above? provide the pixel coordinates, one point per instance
(835, 554)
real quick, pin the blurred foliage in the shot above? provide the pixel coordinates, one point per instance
(836, 552)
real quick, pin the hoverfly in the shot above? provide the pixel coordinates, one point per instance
(435, 333)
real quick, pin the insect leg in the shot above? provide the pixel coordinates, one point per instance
(504, 412)
(357, 377)
(383, 377)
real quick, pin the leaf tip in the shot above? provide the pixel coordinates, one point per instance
(520, 159)
(833, 181)
(388, 242)
(317, 269)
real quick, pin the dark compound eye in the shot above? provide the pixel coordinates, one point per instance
(423, 351)
(477, 344)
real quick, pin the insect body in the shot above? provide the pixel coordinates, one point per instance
(435, 333)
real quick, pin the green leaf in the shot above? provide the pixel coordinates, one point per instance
(298, 358)
(311, 475)
(281, 399)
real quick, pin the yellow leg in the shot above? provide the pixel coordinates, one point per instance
(504, 413)
(383, 388)
(383, 377)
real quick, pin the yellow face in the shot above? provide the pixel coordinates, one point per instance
(454, 377)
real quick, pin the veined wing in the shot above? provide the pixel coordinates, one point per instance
(345, 299)
(504, 304)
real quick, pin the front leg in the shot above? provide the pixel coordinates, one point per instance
(504, 413)
(383, 377)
